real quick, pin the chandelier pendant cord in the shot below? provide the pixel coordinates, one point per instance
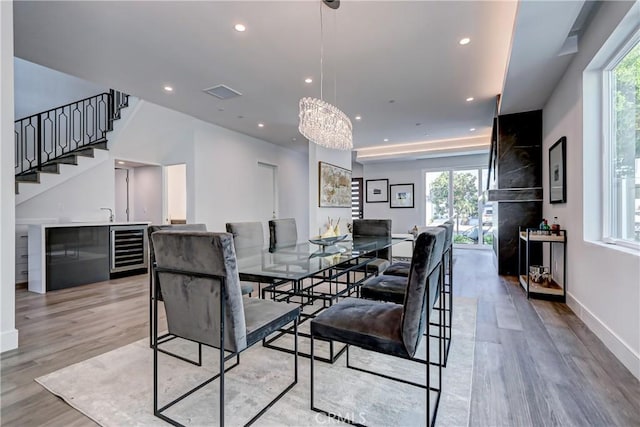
(321, 52)
(321, 122)
(335, 49)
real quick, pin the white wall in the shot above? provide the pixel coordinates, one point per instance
(42, 88)
(603, 284)
(145, 185)
(357, 170)
(78, 199)
(227, 172)
(319, 217)
(8, 332)
(412, 172)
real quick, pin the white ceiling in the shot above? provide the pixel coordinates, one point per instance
(377, 52)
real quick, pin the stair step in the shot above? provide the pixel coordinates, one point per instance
(50, 168)
(70, 159)
(84, 152)
(101, 145)
(28, 177)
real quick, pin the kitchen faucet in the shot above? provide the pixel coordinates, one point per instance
(110, 213)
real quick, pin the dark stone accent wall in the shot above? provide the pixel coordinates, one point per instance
(518, 198)
(523, 194)
(520, 150)
(511, 217)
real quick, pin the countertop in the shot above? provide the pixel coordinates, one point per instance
(89, 224)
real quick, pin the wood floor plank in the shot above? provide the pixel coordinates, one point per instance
(606, 392)
(488, 405)
(507, 317)
(626, 383)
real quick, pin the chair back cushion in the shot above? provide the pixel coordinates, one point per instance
(448, 226)
(427, 255)
(176, 227)
(192, 303)
(374, 228)
(246, 234)
(282, 232)
(152, 258)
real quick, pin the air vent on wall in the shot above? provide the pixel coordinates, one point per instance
(222, 92)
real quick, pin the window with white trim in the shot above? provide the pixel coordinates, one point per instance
(622, 146)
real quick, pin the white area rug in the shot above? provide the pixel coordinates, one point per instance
(116, 388)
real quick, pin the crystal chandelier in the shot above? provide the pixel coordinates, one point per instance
(320, 122)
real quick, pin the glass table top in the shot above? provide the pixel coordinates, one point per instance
(305, 259)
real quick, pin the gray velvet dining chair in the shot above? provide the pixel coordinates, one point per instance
(375, 228)
(388, 328)
(246, 288)
(153, 279)
(203, 302)
(401, 269)
(248, 235)
(282, 233)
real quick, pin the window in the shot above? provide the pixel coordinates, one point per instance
(457, 194)
(622, 146)
(356, 198)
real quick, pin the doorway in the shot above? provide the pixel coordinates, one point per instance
(138, 192)
(176, 191)
(267, 194)
(122, 195)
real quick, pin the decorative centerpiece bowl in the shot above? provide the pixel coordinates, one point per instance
(328, 245)
(328, 241)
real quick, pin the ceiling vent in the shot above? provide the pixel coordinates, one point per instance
(222, 92)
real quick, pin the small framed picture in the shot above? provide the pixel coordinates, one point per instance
(557, 172)
(401, 195)
(377, 191)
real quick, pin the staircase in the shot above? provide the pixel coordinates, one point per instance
(58, 136)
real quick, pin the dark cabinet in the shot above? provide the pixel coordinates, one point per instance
(76, 256)
(81, 255)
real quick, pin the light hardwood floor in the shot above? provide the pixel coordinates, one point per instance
(535, 363)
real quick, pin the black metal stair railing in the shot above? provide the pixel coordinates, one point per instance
(46, 136)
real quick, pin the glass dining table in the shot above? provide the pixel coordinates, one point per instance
(312, 275)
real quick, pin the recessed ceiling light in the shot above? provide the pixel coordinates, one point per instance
(472, 129)
(168, 88)
(120, 162)
(469, 99)
(386, 140)
(358, 117)
(464, 41)
(260, 125)
(240, 28)
(308, 80)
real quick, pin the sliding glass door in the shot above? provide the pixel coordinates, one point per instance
(457, 194)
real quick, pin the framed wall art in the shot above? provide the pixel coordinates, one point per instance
(334, 186)
(377, 191)
(401, 195)
(557, 172)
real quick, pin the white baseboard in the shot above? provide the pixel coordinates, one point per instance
(8, 340)
(611, 340)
